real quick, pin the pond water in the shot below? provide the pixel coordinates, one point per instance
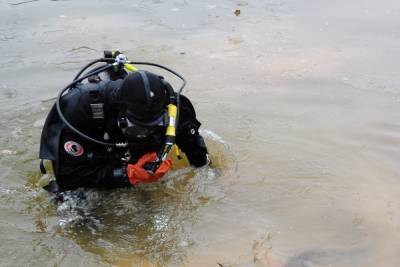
(300, 107)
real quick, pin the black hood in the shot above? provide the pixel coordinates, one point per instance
(142, 97)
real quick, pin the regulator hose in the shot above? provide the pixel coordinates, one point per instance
(110, 60)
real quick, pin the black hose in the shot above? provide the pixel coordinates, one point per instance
(165, 68)
(64, 120)
(109, 60)
(178, 94)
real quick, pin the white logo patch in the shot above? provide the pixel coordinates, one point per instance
(73, 148)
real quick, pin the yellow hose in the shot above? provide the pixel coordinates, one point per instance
(130, 67)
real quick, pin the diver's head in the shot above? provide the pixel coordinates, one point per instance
(142, 100)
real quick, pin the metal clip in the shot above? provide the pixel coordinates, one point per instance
(121, 59)
(127, 156)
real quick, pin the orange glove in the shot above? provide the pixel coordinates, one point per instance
(137, 174)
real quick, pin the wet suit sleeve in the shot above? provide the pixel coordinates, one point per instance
(82, 164)
(188, 138)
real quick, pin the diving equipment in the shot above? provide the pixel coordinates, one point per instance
(114, 62)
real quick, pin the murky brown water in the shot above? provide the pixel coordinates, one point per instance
(300, 104)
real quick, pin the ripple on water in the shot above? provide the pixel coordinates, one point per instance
(150, 223)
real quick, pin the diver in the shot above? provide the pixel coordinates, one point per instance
(115, 126)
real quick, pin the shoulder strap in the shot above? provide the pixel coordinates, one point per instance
(97, 108)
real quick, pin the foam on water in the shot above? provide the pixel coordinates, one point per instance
(208, 134)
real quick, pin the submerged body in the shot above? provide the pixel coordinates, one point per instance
(95, 109)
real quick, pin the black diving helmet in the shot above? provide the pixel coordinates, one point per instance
(143, 100)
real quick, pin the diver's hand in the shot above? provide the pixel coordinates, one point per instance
(137, 174)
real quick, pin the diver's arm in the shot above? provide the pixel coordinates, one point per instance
(188, 137)
(192, 143)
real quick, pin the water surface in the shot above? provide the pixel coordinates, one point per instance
(299, 102)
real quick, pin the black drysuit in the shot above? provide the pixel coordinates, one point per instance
(78, 162)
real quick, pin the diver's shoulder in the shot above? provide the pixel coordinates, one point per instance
(83, 91)
(186, 106)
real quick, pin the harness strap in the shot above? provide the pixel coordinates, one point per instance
(97, 108)
(42, 168)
